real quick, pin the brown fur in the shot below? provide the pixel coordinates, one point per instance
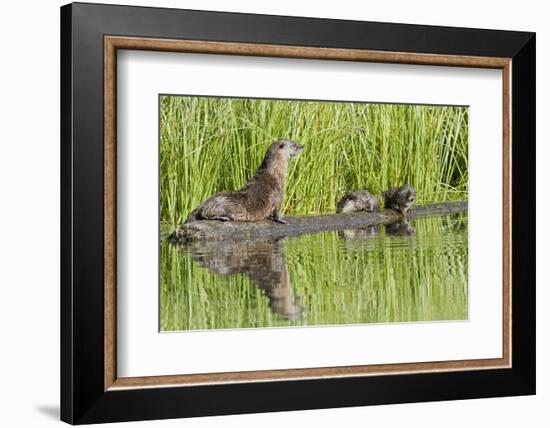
(357, 201)
(260, 198)
(400, 199)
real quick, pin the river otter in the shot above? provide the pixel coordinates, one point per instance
(357, 201)
(400, 199)
(261, 197)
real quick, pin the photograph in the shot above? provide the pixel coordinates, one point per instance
(284, 210)
(301, 213)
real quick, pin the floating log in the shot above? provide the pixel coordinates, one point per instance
(214, 230)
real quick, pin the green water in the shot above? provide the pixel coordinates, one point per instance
(399, 273)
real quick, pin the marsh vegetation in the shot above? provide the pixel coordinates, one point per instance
(404, 272)
(208, 145)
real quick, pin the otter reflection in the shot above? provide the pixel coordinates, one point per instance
(263, 262)
(362, 233)
(400, 228)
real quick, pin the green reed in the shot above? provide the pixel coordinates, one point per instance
(209, 145)
(380, 279)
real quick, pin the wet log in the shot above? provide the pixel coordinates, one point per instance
(213, 230)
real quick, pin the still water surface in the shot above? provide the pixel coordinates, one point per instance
(395, 273)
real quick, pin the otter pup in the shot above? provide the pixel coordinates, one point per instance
(357, 201)
(260, 198)
(400, 199)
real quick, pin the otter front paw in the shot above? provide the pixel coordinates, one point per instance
(278, 220)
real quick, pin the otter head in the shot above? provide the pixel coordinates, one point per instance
(287, 148)
(407, 196)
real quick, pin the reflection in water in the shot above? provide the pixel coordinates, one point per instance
(400, 228)
(413, 270)
(363, 233)
(262, 262)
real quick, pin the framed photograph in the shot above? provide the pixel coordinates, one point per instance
(266, 213)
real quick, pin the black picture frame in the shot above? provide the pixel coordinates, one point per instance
(83, 397)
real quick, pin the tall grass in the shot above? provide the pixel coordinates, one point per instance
(212, 144)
